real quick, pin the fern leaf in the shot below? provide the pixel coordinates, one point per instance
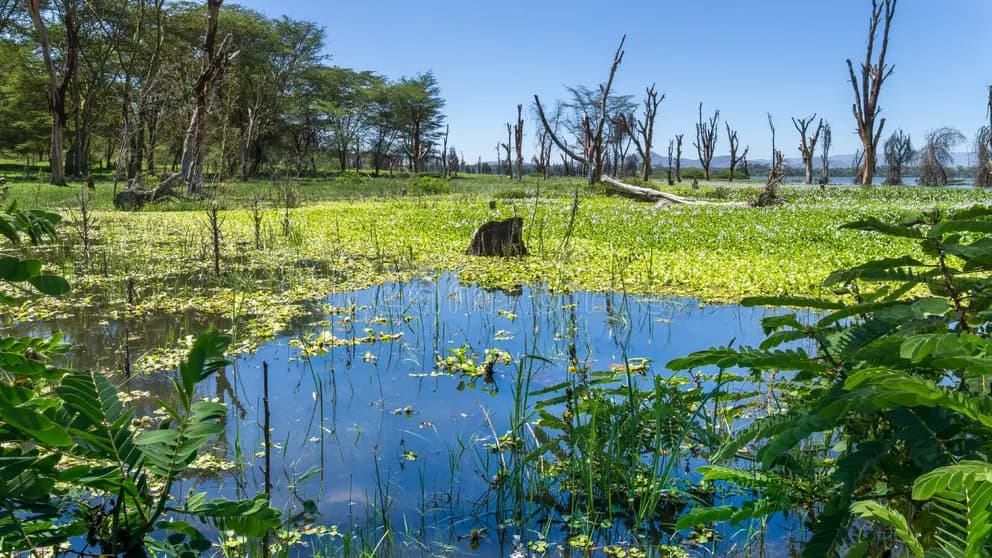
(873, 511)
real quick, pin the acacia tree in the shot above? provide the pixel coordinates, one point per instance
(592, 135)
(825, 155)
(678, 157)
(58, 80)
(706, 136)
(936, 153)
(645, 131)
(807, 142)
(735, 156)
(898, 153)
(869, 86)
(420, 113)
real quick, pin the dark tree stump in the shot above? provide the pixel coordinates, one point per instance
(499, 238)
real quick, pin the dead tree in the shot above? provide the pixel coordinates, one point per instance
(869, 86)
(671, 148)
(509, 150)
(215, 60)
(858, 164)
(898, 153)
(592, 140)
(706, 136)
(645, 129)
(544, 154)
(444, 153)
(983, 150)
(518, 136)
(678, 157)
(936, 154)
(769, 195)
(57, 85)
(735, 156)
(807, 143)
(825, 156)
(772, 126)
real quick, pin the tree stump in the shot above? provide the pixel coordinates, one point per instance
(499, 238)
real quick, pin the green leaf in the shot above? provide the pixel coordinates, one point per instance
(873, 224)
(37, 425)
(873, 511)
(50, 284)
(205, 357)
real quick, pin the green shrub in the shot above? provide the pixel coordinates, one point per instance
(689, 174)
(886, 410)
(426, 184)
(514, 194)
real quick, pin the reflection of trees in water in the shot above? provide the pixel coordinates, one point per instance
(97, 339)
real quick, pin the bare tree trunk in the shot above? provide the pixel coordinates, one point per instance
(645, 128)
(56, 87)
(771, 125)
(593, 141)
(706, 136)
(858, 165)
(518, 136)
(735, 158)
(807, 143)
(671, 148)
(194, 144)
(444, 153)
(825, 156)
(678, 157)
(867, 90)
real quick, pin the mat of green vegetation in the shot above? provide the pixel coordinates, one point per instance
(351, 232)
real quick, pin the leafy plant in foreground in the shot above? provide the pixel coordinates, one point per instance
(74, 471)
(889, 420)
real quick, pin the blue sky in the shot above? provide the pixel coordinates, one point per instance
(746, 58)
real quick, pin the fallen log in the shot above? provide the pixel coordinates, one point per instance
(662, 199)
(134, 196)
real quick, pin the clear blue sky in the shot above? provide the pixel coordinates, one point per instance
(746, 58)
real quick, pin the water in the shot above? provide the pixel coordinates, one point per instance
(879, 180)
(376, 432)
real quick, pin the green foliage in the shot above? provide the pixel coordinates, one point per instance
(892, 408)
(429, 185)
(70, 458)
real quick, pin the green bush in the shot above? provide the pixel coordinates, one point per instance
(514, 194)
(429, 185)
(880, 433)
(689, 174)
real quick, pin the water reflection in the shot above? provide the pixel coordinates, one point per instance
(373, 431)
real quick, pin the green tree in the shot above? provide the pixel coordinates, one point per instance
(419, 104)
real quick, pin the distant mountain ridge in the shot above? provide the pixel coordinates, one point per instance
(842, 161)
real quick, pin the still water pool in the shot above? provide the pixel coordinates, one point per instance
(388, 407)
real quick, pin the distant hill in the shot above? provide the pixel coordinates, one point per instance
(842, 161)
